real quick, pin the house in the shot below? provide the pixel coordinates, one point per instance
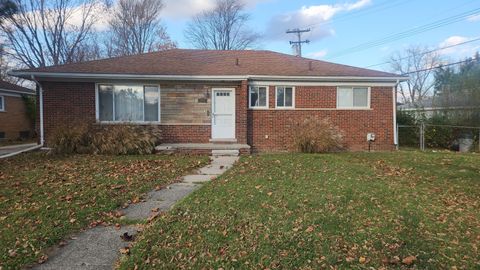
(431, 106)
(14, 120)
(252, 99)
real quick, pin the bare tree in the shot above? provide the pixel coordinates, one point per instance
(43, 32)
(7, 7)
(136, 28)
(223, 28)
(416, 62)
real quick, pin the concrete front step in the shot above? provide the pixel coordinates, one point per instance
(215, 149)
(232, 153)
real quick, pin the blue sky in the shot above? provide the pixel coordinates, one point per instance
(340, 25)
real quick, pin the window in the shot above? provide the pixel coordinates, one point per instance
(285, 97)
(128, 103)
(2, 104)
(258, 97)
(353, 97)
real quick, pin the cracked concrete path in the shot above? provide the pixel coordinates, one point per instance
(98, 248)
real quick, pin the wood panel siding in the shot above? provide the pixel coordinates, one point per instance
(185, 104)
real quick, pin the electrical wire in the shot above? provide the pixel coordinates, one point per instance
(408, 33)
(440, 66)
(427, 52)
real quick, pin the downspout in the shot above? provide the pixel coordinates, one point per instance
(40, 105)
(395, 126)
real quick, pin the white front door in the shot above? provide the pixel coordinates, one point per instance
(223, 114)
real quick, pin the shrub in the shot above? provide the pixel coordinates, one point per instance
(105, 140)
(122, 140)
(68, 139)
(315, 135)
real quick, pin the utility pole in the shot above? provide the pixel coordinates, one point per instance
(298, 44)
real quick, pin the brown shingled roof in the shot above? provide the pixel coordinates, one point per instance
(212, 63)
(15, 88)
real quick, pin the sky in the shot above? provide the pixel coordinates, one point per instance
(339, 26)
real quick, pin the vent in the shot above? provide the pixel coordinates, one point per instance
(2, 135)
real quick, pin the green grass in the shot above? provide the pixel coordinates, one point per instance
(332, 211)
(44, 198)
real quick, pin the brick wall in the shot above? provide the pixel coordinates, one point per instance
(273, 129)
(14, 119)
(67, 103)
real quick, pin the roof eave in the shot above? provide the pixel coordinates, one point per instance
(62, 75)
(17, 92)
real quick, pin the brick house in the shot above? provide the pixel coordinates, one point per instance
(14, 121)
(251, 99)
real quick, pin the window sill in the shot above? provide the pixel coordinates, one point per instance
(151, 123)
(354, 108)
(258, 108)
(285, 108)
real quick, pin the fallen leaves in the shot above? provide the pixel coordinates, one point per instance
(45, 197)
(409, 260)
(125, 251)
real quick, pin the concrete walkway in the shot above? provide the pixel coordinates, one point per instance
(98, 248)
(6, 151)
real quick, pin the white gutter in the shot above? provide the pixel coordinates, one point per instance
(395, 127)
(16, 92)
(40, 105)
(26, 74)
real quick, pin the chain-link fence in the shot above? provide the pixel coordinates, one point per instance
(439, 137)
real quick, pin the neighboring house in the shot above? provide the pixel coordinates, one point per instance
(14, 121)
(429, 107)
(253, 98)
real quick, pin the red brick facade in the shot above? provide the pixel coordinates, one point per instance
(265, 130)
(14, 119)
(272, 129)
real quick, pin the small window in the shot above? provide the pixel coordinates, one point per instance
(258, 97)
(285, 97)
(353, 97)
(2, 104)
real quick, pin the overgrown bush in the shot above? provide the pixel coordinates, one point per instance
(68, 139)
(316, 135)
(105, 140)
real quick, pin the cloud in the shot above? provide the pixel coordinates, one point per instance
(317, 55)
(185, 9)
(474, 18)
(309, 16)
(100, 11)
(460, 51)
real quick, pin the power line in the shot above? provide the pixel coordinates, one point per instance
(440, 66)
(408, 33)
(427, 52)
(298, 44)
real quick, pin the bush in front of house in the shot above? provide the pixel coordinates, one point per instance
(315, 135)
(103, 140)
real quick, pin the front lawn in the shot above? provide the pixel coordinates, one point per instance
(335, 211)
(45, 198)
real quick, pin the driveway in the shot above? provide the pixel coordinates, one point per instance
(8, 150)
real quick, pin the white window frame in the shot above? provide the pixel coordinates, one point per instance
(2, 102)
(250, 97)
(353, 107)
(293, 98)
(97, 103)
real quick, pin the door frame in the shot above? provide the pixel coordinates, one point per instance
(234, 111)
